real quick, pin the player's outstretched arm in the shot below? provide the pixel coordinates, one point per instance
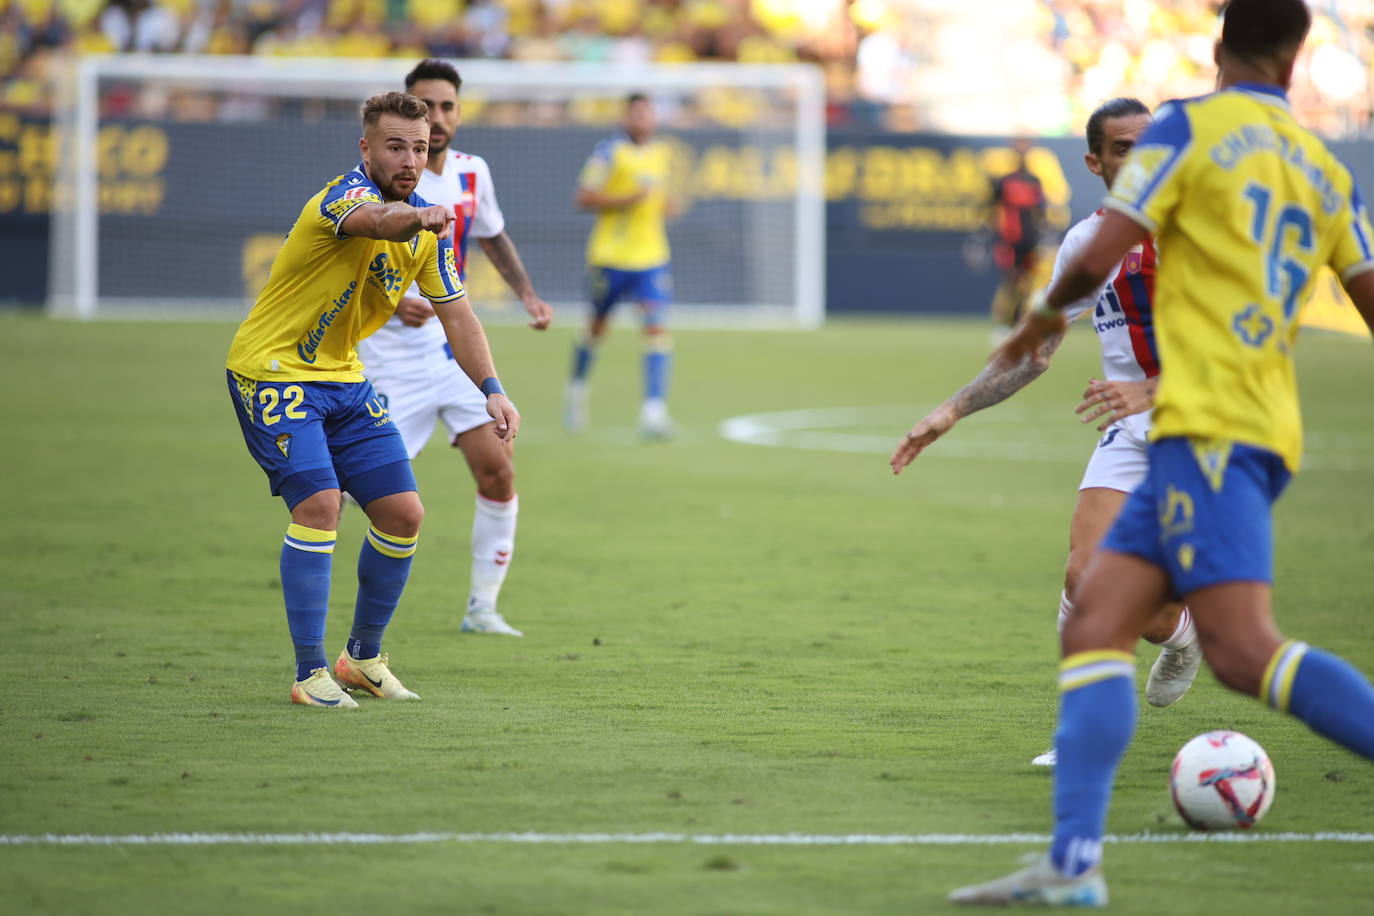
(500, 250)
(999, 380)
(1116, 235)
(1116, 400)
(1361, 290)
(469, 344)
(397, 221)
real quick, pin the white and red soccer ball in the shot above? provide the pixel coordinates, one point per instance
(1222, 780)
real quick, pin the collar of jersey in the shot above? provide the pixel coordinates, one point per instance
(1267, 92)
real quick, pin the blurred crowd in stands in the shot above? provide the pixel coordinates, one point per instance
(974, 66)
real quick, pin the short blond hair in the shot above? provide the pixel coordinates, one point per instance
(400, 104)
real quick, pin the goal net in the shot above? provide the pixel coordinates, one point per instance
(179, 176)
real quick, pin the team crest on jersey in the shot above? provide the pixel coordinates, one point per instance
(284, 443)
(1135, 260)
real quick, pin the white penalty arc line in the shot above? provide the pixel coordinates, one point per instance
(837, 429)
(599, 839)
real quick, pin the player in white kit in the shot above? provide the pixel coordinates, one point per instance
(1121, 400)
(412, 369)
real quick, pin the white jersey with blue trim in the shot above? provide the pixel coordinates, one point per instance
(464, 185)
(1122, 311)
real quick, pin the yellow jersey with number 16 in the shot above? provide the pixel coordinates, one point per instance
(1245, 206)
(327, 291)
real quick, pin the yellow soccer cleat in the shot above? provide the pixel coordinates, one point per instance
(372, 675)
(320, 690)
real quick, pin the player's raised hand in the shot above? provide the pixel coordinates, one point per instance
(541, 313)
(506, 416)
(1115, 400)
(940, 421)
(414, 312)
(436, 219)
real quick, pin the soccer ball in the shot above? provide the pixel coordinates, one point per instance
(1222, 781)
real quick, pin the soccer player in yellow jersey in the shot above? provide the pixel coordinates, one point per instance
(313, 422)
(1246, 206)
(625, 182)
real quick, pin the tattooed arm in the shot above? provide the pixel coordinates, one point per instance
(500, 250)
(999, 380)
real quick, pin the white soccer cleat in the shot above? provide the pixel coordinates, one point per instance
(654, 422)
(487, 620)
(1039, 885)
(320, 690)
(373, 675)
(1047, 759)
(575, 407)
(1172, 674)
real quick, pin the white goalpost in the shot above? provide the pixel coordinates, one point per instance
(178, 176)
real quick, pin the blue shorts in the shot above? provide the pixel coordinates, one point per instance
(652, 288)
(1203, 513)
(334, 433)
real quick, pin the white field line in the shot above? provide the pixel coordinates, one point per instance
(602, 839)
(1013, 439)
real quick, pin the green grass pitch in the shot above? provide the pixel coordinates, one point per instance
(722, 639)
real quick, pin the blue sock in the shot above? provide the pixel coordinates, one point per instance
(305, 560)
(583, 354)
(1325, 691)
(383, 567)
(658, 366)
(1096, 720)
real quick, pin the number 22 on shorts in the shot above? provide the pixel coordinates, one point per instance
(293, 397)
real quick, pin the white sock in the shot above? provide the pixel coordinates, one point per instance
(1065, 609)
(493, 544)
(1184, 635)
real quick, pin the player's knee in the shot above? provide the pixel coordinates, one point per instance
(496, 480)
(399, 517)
(320, 511)
(1073, 571)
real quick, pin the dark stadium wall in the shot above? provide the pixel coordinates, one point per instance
(906, 214)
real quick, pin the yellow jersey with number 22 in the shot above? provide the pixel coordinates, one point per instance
(327, 291)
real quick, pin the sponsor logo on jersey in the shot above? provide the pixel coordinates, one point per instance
(1252, 326)
(306, 348)
(359, 194)
(1175, 513)
(383, 274)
